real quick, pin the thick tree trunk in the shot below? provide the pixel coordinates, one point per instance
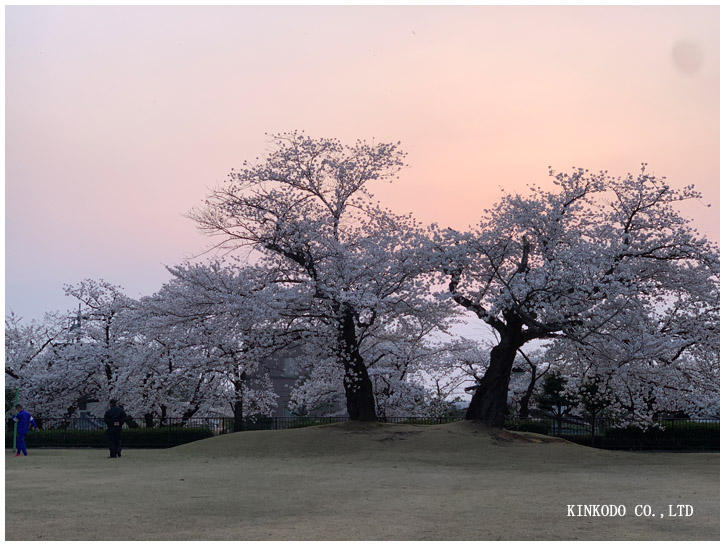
(358, 387)
(238, 416)
(359, 393)
(489, 401)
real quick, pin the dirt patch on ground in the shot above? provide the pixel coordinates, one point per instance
(359, 481)
(398, 435)
(525, 437)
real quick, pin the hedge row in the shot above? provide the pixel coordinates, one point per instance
(135, 437)
(674, 435)
(529, 425)
(670, 435)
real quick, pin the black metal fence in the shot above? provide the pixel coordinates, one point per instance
(220, 425)
(87, 431)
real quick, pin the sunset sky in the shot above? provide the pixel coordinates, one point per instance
(119, 120)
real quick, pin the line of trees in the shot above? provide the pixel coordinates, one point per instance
(599, 278)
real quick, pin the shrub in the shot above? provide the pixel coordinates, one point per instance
(669, 435)
(529, 425)
(311, 422)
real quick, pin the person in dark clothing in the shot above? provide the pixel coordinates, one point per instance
(114, 418)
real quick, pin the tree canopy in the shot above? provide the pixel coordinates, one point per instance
(599, 278)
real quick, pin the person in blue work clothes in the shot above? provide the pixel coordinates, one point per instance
(24, 421)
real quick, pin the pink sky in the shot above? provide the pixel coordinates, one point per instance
(118, 120)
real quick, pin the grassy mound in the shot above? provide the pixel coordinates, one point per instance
(384, 439)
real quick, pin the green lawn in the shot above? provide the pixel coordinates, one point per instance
(456, 481)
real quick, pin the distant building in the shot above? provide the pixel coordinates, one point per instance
(283, 373)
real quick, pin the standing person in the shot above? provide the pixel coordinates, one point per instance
(24, 421)
(114, 418)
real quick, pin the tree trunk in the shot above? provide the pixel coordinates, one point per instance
(488, 403)
(359, 394)
(358, 387)
(526, 398)
(559, 419)
(70, 410)
(239, 405)
(238, 416)
(188, 414)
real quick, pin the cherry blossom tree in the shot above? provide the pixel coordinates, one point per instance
(529, 368)
(414, 375)
(96, 360)
(571, 261)
(307, 211)
(396, 354)
(651, 365)
(194, 346)
(319, 389)
(219, 324)
(400, 354)
(603, 275)
(29, 348)
(26, 344)
(65, 359)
